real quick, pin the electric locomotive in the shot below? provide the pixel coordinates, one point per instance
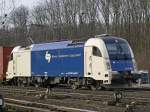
(102, 60)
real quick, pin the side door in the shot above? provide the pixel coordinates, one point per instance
(15, 63)
(98, 66)
(88, 61)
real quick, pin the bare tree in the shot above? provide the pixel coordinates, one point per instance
(104, 9)
(19, 18)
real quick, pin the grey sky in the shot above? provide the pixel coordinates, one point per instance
(29, 3)
(6, 6)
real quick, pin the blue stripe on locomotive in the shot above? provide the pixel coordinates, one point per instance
(122, 65)
(66, 62)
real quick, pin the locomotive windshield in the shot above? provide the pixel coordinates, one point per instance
(118, 50)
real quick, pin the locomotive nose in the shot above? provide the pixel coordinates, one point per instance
(122, 65)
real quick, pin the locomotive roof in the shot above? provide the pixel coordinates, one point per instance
(112, 39)
(56, 45)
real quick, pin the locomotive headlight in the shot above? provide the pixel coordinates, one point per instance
(1, 101)
(108, 65)
(134, 65)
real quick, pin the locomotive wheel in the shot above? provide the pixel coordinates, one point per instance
(21, 84)
(36, 85)
(93, 88)
(74, 86)
(102, 88)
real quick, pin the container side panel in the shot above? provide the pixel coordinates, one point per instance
(6, 55)
(1, 63)
(58, 63)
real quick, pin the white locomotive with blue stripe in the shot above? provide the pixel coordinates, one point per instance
(98, 61)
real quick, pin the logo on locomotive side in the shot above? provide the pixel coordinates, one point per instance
(48, 56)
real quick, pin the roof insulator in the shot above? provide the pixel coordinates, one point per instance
(101, 35)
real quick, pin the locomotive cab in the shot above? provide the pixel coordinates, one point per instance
(97, 65)
(109, 60)
(10, 68)
(19, 63)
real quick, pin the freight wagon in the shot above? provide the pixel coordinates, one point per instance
(102, 60)
(4, 58)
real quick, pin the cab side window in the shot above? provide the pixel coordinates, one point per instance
(96, 52)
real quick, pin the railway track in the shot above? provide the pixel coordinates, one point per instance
(67, 92)
(32, 90)
(139, 97)
(41, 106)
(68, 98)
(62, 95)
(58, 95)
